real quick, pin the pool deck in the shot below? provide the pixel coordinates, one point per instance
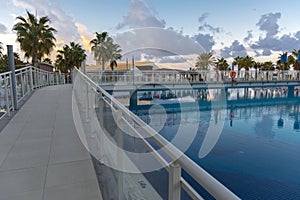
(41, 155)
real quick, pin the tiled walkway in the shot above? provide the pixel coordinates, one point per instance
(41, 156)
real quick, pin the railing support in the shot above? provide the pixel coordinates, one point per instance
(174, 181)
(6, 96)
(11, 65)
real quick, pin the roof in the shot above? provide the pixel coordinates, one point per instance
(45, 64)
(141, 65)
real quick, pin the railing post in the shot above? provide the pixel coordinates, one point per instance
(174, 181)
(26, 80)
(11, 65)
(6, 95)
(31, 79)
(22, 83)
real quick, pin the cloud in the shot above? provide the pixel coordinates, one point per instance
(147, 57)
(235, 49)
(205, 40)
(297, 35)
(202, 18)
(176, 59)
(248, 37)
(159, 41)
(140, 15)
(268, 23)
(62, 22)
(85, 35)
(266, 52)
(3, 29)
(149, 36)
(207, 27)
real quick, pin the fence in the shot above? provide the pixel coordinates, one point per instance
(173, 76)
(27, 80)
(91, 99)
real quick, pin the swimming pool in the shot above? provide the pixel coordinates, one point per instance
(257, 152)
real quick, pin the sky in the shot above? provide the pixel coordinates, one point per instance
(168, 31)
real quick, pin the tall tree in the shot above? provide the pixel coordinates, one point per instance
(113, 53)
(268, 66)
(244, 62)
(47, 60)
(295, 55)
(281, 65)
(69, 57)
(35, 36)
(204, 60)
(222, 64)
(99, 49)
(237, 61)
(105, 51)
(1, 49)
(4, 62)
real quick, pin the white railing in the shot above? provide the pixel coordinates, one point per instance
(173, 76)
(27, 79)
(88, 97)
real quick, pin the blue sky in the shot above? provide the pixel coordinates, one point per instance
(227, 28)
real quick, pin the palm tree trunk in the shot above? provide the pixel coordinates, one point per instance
(35, 60)
(102, 64)
(35, 56)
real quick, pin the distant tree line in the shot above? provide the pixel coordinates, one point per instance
(205, 60)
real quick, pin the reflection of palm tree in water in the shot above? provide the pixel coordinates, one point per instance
(231, 116)
(296, 123)
(264, 127)
(280, 121)
(216, 116)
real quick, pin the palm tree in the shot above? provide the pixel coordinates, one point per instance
(99, 49)
(295, 55)
(47, 60)
(4, 62)
(35, 36)
(204, 60)
(281, 65)
(257, 66)
(69, 57)
(114, 53)
(244, 62)
(1, 49)
(105, 51)
(222, 64)
(267, 66)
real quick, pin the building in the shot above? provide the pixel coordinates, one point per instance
(123, 66)
(46, 66)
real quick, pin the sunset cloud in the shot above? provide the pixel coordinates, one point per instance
(85, 35)
(60, 20)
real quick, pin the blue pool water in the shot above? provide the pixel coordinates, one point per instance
(257, 152)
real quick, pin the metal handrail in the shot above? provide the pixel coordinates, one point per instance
(28, 79)
(178, 76)
(213, 186)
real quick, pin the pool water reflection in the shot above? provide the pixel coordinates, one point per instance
(257, 154)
